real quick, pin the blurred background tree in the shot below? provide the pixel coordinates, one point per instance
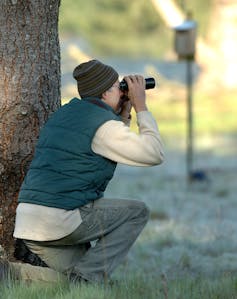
(134, 29)
(124, 28)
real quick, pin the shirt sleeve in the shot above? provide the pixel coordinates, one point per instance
(115, 141)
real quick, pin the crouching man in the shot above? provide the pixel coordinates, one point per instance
(61, 205)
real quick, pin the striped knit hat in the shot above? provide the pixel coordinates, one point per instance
(94, 78)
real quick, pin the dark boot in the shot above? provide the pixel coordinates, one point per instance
(23, 253)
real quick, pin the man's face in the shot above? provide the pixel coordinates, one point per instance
(112, 96)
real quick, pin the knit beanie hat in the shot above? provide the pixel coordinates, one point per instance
(94, 78)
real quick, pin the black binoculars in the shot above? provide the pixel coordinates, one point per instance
(150, 83)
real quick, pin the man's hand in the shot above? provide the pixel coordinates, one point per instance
(126, 110)
(136, 92)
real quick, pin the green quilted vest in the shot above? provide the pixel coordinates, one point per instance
(65, 172)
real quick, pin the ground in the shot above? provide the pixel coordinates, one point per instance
(193, 226)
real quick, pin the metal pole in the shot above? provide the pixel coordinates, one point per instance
(189, 79)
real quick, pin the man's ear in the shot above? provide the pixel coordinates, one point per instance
(104, 96)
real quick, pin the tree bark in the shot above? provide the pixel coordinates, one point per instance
(29, 92)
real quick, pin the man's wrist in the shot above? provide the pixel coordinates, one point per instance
(141, 108)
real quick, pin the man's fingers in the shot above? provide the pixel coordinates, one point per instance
(133, 79)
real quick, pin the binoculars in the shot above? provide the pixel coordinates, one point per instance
(150, 83)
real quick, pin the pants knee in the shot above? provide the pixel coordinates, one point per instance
(145, 211)
(142, 212)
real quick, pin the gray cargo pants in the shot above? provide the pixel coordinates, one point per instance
(113, 224)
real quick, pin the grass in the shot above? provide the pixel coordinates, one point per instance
(139, 287)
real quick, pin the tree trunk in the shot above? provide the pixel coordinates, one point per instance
(29, 92)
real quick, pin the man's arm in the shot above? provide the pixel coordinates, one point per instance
(115, 141)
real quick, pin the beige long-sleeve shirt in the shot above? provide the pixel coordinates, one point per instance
(113, 140)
